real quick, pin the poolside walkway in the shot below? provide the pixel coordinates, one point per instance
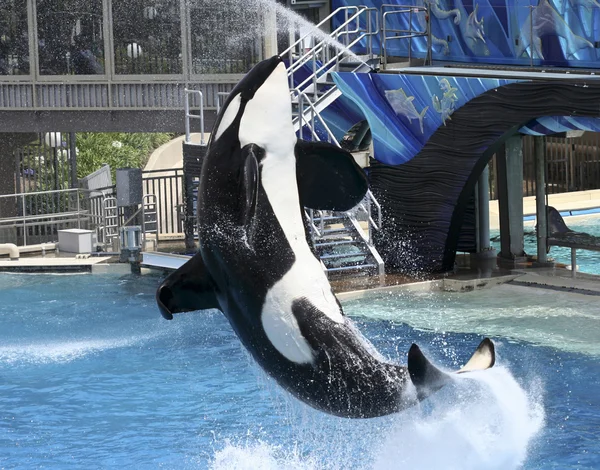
(574, 201)
(51, 263)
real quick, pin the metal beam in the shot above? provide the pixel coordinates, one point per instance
(99, 121)
(539, 143)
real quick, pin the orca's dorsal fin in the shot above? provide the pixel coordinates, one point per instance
(428, 379)
(328, 177)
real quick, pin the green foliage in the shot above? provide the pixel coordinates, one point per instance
(119, 150)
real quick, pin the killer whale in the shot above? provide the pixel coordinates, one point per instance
(256, 265)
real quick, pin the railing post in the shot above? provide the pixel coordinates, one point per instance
(410, 31)
(78, 209)
(24, 223)
(531, 7)
(186, 107)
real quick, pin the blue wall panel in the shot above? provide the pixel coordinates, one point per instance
(518, 32)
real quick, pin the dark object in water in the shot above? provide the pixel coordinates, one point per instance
(556, 224)
(558, 230)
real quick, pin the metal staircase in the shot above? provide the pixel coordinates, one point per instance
(313, 93)
(342, 240)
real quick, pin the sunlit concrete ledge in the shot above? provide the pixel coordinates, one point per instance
(446, 284)
(58, 265)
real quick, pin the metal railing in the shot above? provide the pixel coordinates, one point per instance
(167, 186)
(189, 115)
(410, 33)
(327, 55)
(58, 209)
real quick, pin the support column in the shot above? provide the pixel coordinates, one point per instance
(539, 145)
(484, 260)
(510, 198)
(483, 206)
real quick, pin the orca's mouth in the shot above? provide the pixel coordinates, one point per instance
(164, 296)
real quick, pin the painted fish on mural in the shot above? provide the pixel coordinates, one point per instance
(403, 106)
(545, 20)
(474, 33)
(445, 106)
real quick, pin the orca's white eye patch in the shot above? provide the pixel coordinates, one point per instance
(229, 115)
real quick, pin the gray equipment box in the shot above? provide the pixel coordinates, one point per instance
(130, 191)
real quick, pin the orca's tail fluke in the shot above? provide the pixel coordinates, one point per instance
(428, 379)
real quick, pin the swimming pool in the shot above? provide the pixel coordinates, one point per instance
(92, 377)
(587, 261)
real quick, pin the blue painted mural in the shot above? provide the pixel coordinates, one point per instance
(405, 110)
(518, 32)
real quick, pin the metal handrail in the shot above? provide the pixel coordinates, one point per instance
(341, 31)
(320, 230)
(105, 217)
(324, 22)
(302, 99)
(25, 220)
(189, 115)
(409, 33)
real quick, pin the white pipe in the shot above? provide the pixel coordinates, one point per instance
(43, 247)
(11, 249)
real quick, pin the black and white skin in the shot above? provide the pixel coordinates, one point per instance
(256, 266)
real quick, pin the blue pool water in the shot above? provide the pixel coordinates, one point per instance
(587, 261)
(92, 377)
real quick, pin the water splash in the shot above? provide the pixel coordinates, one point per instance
(489, 425)
(485, 421)
(246, 23)
(63, 351)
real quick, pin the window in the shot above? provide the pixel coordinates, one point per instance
(14, 41)
(147, 36)
(70, 37)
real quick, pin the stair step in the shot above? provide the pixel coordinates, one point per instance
(352, 268)
(329, 217)
(343, 255)
(337, 230)
(332, 243)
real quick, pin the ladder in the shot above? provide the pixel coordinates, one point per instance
(110, 221)
(150, 219)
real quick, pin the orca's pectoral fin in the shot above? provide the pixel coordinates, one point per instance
(188, 288)
(328, 177)
(428, 379)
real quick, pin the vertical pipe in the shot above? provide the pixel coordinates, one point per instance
(540, 198)
(573, 262)
(531, 34)
(24, 226)
(73, 155)
(410, 32)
